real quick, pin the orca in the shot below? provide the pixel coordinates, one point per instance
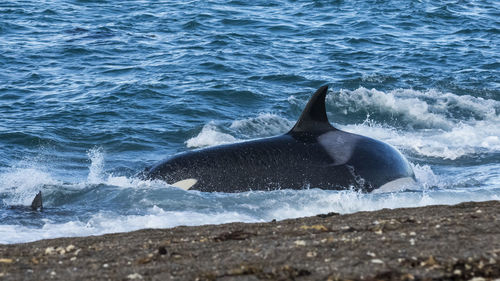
(313, 154)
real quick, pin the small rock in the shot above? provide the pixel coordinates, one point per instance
(371, 254)
(457, 272)
(61, 250)
(72, 259)
(4, 260)
(134, 276)
(70, 248)
(311, 254)
(378, 261)
(49, 251)
(429, 262)
(477, 279)
(300, 243)
(149, 258)
(412, 242)
(105, 265)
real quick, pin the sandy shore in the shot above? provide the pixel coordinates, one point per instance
(459, 242)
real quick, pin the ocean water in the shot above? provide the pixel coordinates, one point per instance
(94, 91)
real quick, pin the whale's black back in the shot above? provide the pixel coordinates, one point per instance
(313, 154)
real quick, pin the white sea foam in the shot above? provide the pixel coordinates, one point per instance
(210, 135)
(462, 140)
(349, 202)
(265, 124)
(246, 207)
(428, 109)
(453, 126)
(108, 222)
(439, 125)
(24, 180)
(98, 175)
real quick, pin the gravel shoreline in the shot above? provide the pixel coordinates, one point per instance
(460, 242)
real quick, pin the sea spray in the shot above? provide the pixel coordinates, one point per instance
(96, 168)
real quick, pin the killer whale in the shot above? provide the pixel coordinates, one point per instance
(312, 154)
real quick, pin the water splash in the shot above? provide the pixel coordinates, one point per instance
(21, 182)
(209, 136)
(96, 168)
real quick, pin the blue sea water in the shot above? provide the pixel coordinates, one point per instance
(93, 91)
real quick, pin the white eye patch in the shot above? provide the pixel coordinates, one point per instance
(185, 184)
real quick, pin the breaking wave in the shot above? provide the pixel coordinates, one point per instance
(435, 125)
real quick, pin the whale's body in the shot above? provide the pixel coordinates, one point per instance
(313, 154)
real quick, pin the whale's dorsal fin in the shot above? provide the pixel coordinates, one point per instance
(37, 202)
(313, 118)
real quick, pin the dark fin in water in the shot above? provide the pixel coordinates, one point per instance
(37, 202)
(313, 118)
